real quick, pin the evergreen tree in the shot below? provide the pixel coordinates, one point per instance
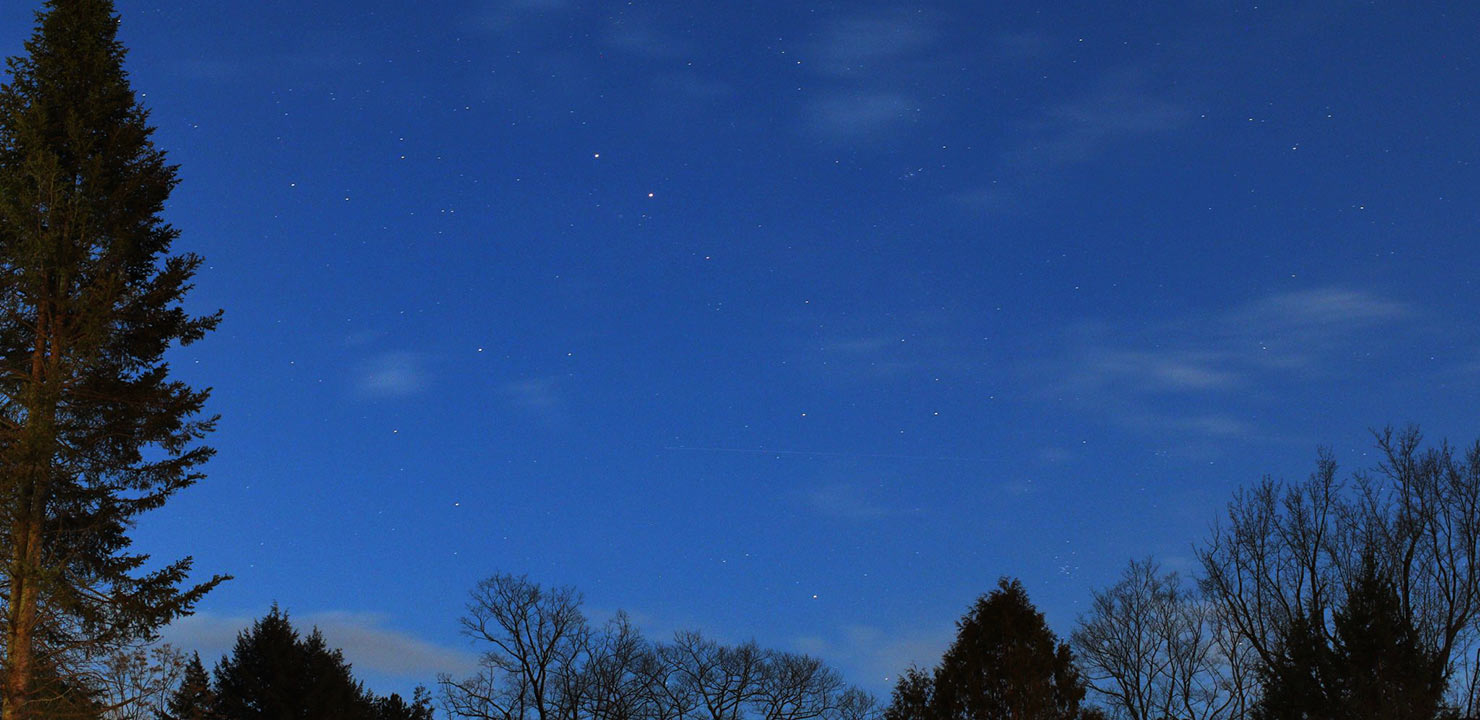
(1298, 684)
(1383, 669)
(273, 673)
(911, 698)
(1006, 665)
(93, 431)
(1373, 667)
(395, 708)
(193, 700)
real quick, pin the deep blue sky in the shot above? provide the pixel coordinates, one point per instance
(794, 321)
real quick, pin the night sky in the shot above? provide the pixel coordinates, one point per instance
(801, 322)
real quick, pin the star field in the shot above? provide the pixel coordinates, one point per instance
(795, 321)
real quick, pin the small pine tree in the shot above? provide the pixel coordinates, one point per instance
(193, 699)
(911, 699)
(396, 708)
(1298, 684)
(1006, 664)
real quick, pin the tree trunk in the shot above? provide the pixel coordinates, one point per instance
(19, 650)
(26, 531)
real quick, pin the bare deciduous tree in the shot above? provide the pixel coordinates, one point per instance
(798, 687)
(724, 679)
(1152, 649)
(1423, 507)
(544, 662)
(136, 683)
(535, 638)
(615, 676)
(1291, 551)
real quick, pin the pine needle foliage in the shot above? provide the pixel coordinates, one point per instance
(93, 430)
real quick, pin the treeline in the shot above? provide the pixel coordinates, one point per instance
(1326, 599)
(543, 660)
(272, 673)
(540, 659)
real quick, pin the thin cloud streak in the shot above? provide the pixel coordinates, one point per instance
(1162, 379)
(855, 45)
(846, 501)
(849, 114)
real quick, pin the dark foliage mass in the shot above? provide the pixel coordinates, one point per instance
(1005, 664)
(1375, 666)
(193, 699)
(273, 673)
(93, 432)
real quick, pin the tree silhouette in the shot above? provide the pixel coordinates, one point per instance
(1006, 664)
(1288, 549)
(912, 696)
(393, 707)
(92, 430)
(272, 673)
(1152, 648)
(1375, 666)
(1383, 669)
(541, 660)
(193, 699)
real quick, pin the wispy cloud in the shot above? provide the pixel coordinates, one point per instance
(867, 65)
(538, 5)
(853, 114)
(856, 45)
(894, 346)
(501, 15)
(876, 655)
(367, 642)
(641, 33)
(1313, 314)
(1124, 105)
(540, 398)
(391, 375)
(849, 501)
(1167, 377)
(1098, 366)
(1025, 45)
(691, 87)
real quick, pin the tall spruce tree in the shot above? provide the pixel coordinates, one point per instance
(93, 431)
(1373, 666)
